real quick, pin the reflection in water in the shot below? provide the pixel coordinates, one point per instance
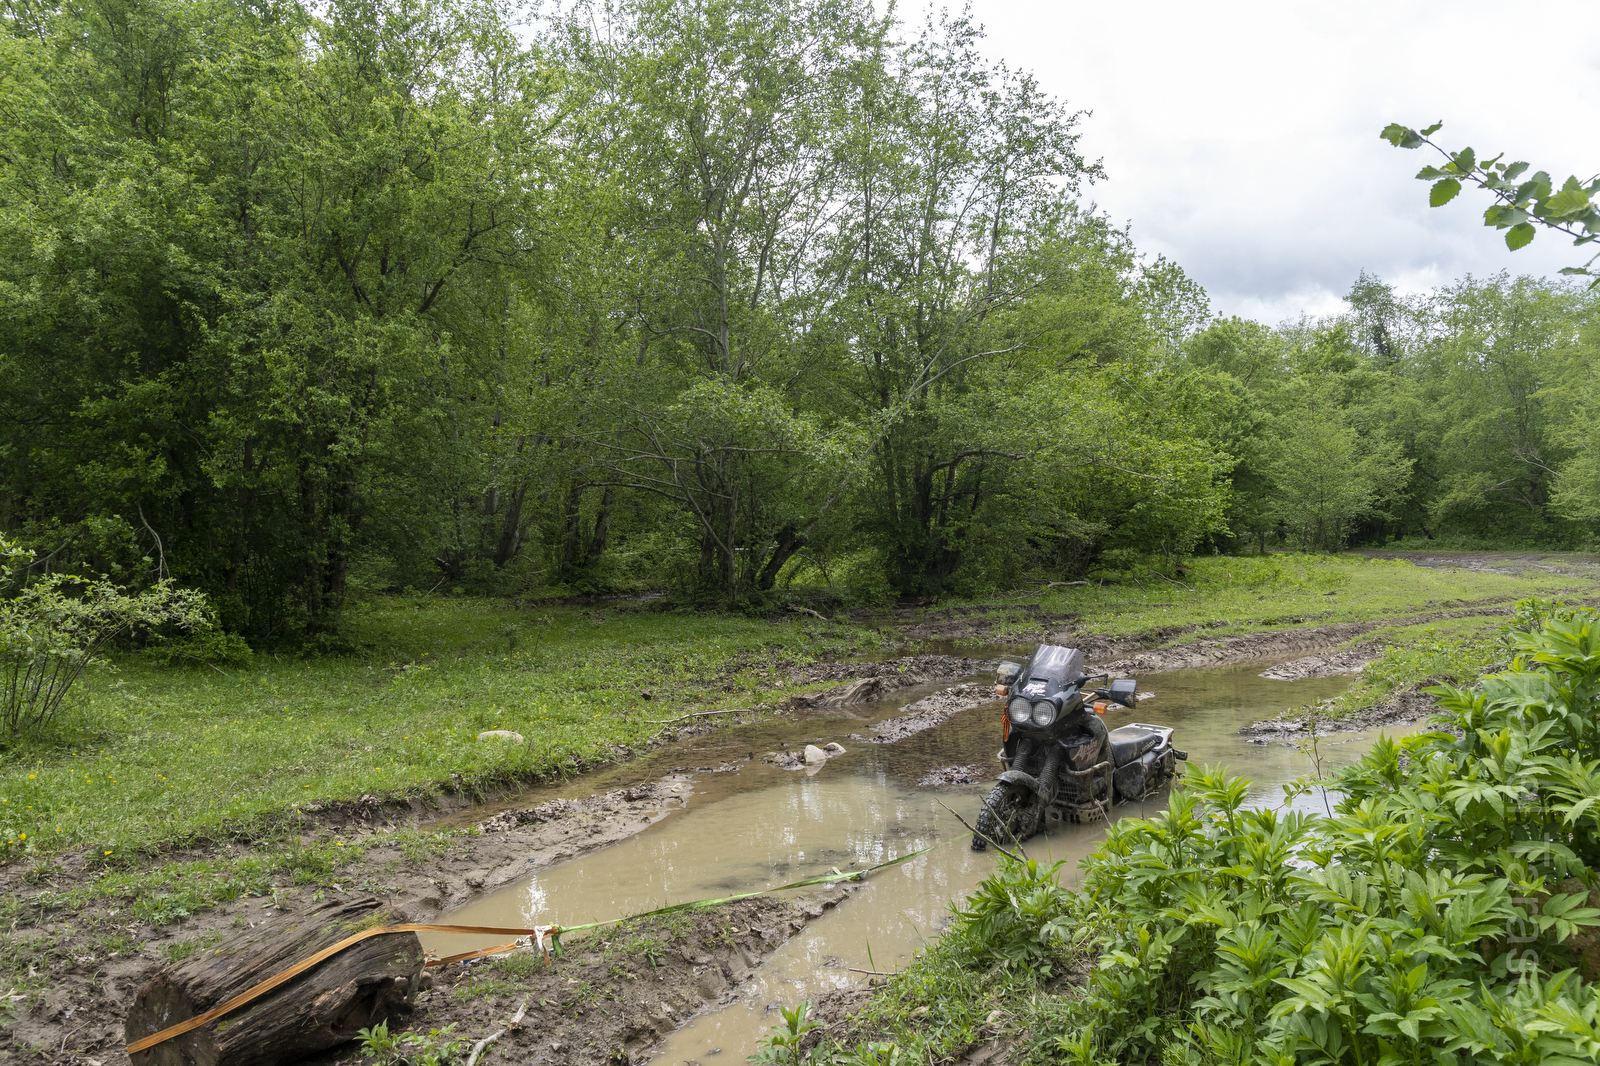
(762, 827)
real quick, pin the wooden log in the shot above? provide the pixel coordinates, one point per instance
(362, 985)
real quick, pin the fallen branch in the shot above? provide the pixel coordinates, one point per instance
(1175, 581)
(516, 1019)
(1063, 584)
(985, 836)
(806, 610)
(686, 717)
(477, 1049)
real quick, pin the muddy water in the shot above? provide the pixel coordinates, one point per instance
(755, 826)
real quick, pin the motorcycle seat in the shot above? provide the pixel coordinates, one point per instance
(1131, 741)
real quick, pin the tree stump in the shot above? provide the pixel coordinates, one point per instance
(360, 986)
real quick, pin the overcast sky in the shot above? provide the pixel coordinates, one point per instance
(1241, 138)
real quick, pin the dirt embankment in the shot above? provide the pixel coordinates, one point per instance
(1404, 707)
(879, 680)
(931, 711)
(97, 957)
(616, 992)
(1512, 564)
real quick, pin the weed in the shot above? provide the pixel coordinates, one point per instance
(179, 950)
(419, 846)
(782, 1046)
(517, 964)
(434, 1048)
(484, 987)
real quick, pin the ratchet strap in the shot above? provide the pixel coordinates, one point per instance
(541, 934)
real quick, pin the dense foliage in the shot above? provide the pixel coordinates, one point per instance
(731, 297)
(1465, 415)
(1440, 909)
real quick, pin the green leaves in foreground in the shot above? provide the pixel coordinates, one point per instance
(1521, 205)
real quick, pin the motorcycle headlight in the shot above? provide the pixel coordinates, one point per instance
(1044, 713)
(1018, 710)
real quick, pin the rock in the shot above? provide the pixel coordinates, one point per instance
(815, 756)
(833, 748)
(504, 734)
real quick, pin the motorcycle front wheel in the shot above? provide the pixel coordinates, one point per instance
(1012, 813)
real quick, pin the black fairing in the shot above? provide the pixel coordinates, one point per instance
(1051, 669)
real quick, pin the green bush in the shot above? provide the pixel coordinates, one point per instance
(54, 628)
(204, 647)
(1436, 915)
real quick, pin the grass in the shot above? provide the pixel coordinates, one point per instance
(1243, 594)
(151, 756)
(1451, 651)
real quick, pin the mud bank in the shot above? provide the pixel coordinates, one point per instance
(930, 711)
(1038, 625)
(97, 957)
(1512, 564)
(876, 681)
(1342, 661)
(1405, 707)
(615, 992)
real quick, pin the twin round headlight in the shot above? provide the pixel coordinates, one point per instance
(1021, 712)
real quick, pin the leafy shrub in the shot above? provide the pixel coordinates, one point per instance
(54, 628)
(1431, 918)
(1016, 914)
(204, 647)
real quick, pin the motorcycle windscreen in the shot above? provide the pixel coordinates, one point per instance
(1056, 664)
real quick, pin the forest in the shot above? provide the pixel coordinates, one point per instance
(737, 299)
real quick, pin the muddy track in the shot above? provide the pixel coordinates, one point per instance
(1512, 564)
(97, 957)
(1112, 655)
(615, 992)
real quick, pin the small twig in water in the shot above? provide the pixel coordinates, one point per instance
(686, 717)
(985, 836)
(875, 973)
(477, 1049)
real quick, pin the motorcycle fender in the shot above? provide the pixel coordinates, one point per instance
(1027, 780)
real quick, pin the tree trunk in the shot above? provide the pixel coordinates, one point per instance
(572, 546)
(511, 529)
(361, 986)
(602, 524)
(789, 542)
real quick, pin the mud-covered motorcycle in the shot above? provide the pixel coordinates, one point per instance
(1060, 761)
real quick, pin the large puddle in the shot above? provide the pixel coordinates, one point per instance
(758, 826)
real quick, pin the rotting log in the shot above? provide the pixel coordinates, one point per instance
(328, 1004)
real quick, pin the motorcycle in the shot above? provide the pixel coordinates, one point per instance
(1060, 762)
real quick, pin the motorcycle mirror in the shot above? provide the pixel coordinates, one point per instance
(1125, 691)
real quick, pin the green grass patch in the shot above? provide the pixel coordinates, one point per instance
(1452, 651)
(151, 755)
(1251, 593)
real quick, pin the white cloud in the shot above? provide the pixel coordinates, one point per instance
(1241, 138)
